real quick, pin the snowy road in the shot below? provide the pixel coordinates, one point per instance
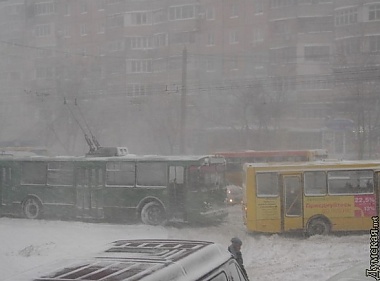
(26, 244)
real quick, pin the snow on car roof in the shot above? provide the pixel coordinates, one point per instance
(147, 259)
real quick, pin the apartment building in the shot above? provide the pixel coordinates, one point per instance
(276, 58)
(357, 68)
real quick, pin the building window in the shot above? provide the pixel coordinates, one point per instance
(159, 65)
(235, 63)
(283, 55)
(233, 37)
(210, 13)
(183, 37)
(101, 27)
(83, 7)
(158, 16)
(45, 52)
(346, 16)
(283, 84)
(313, 83)
(281, 27)
(234, 11)
(160, 40)
(316, 24)
(210, 65)
(43, 72)
(183, 12)
(15, 76)
(141, 42)
(210, 39)
(13, 9)
(374, 43)
(66, 9)
(139, 66)
(116, 46)
(257, 35)
(117, 20)
(83, 51)
(138, 18)
(136, 89)
(282, 3)
(66, 32)
(101, 5)
(317, 53)
(45, 8)
(349, 46)
(314, 1)
(83, 29)
(43, 30)
(101, 51)
(259, 7)
(374, 12)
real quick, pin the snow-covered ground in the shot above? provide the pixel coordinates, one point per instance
(27, 244)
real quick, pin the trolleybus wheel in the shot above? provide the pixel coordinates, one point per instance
(32, 208)
(318, 227)
(153, 213)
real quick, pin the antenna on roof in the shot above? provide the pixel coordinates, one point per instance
(92, 142)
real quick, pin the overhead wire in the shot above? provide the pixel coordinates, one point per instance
(349, 75)
(245, 55)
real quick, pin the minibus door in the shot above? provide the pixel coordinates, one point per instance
(89, 189)
(177, 191)
(292, 210)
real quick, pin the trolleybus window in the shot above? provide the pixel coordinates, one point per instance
(206, 177)
(90, 176)
(267, 185)
(33, 173)
(120, 174)
(60, 173)
(315, 183)
(176, 174)
(151, 174)
(349, 182)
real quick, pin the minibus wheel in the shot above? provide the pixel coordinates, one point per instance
(318, 226)
(153, 213)
(32, 208)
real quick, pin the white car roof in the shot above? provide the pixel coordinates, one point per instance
(145, 260)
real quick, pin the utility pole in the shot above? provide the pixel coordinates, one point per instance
(182, 141)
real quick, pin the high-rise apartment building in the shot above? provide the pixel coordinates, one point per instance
(247, 69)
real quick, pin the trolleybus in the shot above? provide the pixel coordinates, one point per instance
(151, 188)
(312, 197)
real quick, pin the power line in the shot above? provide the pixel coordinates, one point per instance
(265, 57)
